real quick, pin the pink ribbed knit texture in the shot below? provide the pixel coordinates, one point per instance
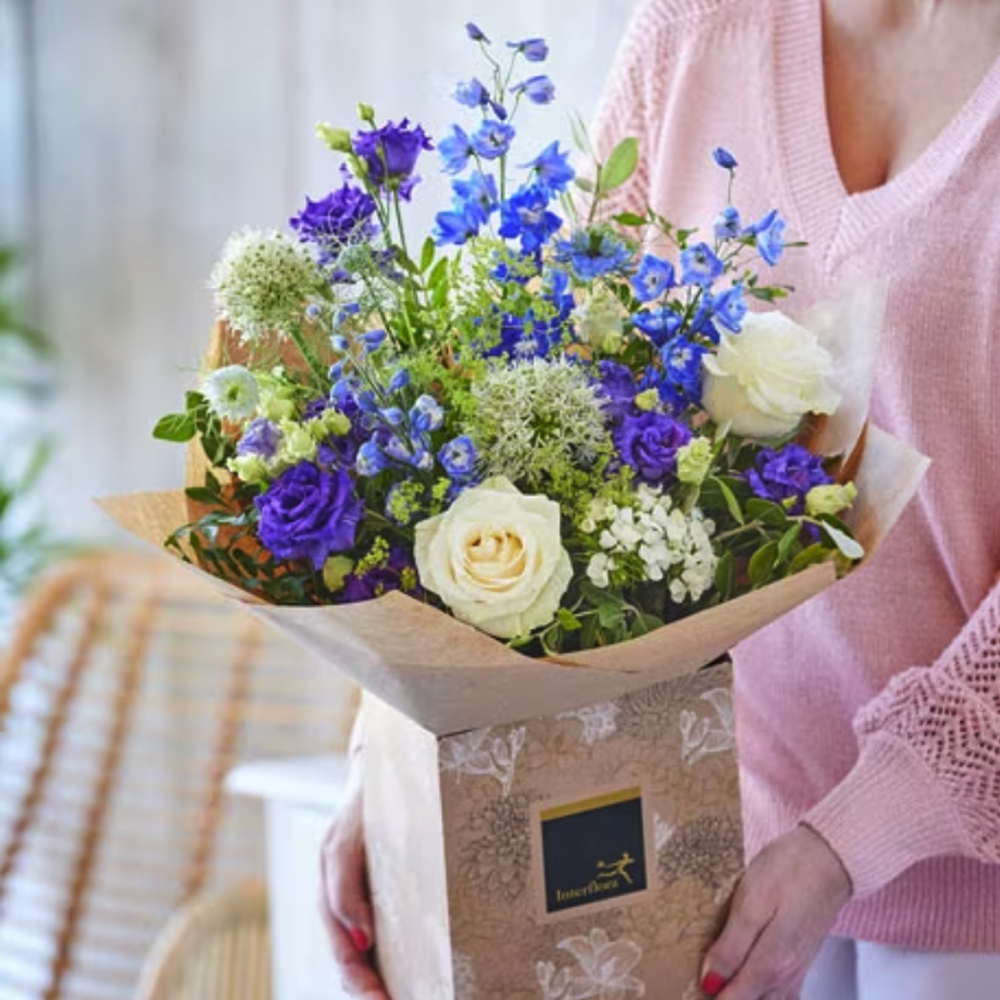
(872, 713)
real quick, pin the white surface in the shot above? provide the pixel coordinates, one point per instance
(301, 797)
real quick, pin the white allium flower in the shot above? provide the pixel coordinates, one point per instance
(537, 418)
(232, 392)
(262, 283)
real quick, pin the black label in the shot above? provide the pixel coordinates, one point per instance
(593, 850)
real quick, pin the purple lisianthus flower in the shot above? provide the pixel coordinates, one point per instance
(617, 389)
(654, 277)
(538, 89)
(309, 513)
(391, 153)
(261, 437)
(472, 93)
(340, 218)
(492, 139)
(658, 324)
(769, 235)
(730, 307)
(724, 158)
(593, 252)
(526, 214)
(700, 265)
(727, 224)
(786, 475)
(455, 150)
(648, 442)
(551, 168)
(533, 49)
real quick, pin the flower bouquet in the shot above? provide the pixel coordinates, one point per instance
(522, 479)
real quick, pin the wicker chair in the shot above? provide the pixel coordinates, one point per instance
(128, 693)
(214, 948)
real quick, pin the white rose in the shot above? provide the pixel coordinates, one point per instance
(765, 379)
(496, 559)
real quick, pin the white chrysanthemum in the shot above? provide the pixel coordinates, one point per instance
(672, 545)
(262, 283)
(537, 418)
(232, 393)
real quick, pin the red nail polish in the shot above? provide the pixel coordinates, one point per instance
(359, 939)
(712, 984)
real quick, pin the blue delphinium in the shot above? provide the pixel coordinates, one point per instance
(727, 224)
(654, 277)
(472, 93)
(730, 307)
(700, 265)
(492, 139)
(683, 372)
(526, 215)
(538, 89)
(769, 235)
(551, 169)
(455, 150)
(658, 324)
(458, 457)
(476, 33)
(724, 158)
(533, 49)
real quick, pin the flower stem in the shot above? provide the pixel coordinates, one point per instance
(310, 357)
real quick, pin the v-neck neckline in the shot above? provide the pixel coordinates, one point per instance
(828, 212)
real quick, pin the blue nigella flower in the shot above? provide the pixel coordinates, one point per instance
(769, 234)
(533, 49)
(458, 457)
(477, 194)
(724, 158)
(455, 150)
(526, 214)
(426, 414)
(471, 93)
(654, 277)
(551, 168)
(370, 460)
(658, 324)
(538, 89)
(700, 265)
(592, 253)
(727, 224)
(475, 33)
(730, 307)
(492, 139)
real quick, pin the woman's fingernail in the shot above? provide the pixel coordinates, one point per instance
(359, 939)
(712, 984)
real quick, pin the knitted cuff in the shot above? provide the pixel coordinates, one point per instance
(886, 815)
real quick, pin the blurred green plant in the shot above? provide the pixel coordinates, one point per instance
(25, 375)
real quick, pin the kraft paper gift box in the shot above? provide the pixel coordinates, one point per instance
(553, 829)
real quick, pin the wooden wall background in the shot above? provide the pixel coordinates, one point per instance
(135, 134)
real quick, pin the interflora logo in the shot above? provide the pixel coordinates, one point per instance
(579, 838)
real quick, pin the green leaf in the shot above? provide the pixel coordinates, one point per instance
(609, 614)
(761, 568)
(195, 401)
(199, 494)
(770, 514)
(584, 184)
(848, 546)
(683, 235)
(725, 575)
(179, 427)
(427, 254)
(630, 219)
(581, 137)
(621, 164)
(788, 541)
(439, 274)
(730, 498)
(567, 620)
(810, 556)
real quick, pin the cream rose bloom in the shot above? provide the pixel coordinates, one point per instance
(764, 379)
(496, 559)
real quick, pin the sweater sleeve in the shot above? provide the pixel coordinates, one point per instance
(927, 779)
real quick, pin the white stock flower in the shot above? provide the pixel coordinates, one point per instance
(764, 379)
(232, 393)
(496, 559)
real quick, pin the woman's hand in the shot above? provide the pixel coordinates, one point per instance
(344, 899)
(783, 908)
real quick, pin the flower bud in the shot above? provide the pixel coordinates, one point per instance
(337, 140)
(694, 460)
(830, 499)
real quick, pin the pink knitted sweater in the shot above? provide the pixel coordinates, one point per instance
(873, 712)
